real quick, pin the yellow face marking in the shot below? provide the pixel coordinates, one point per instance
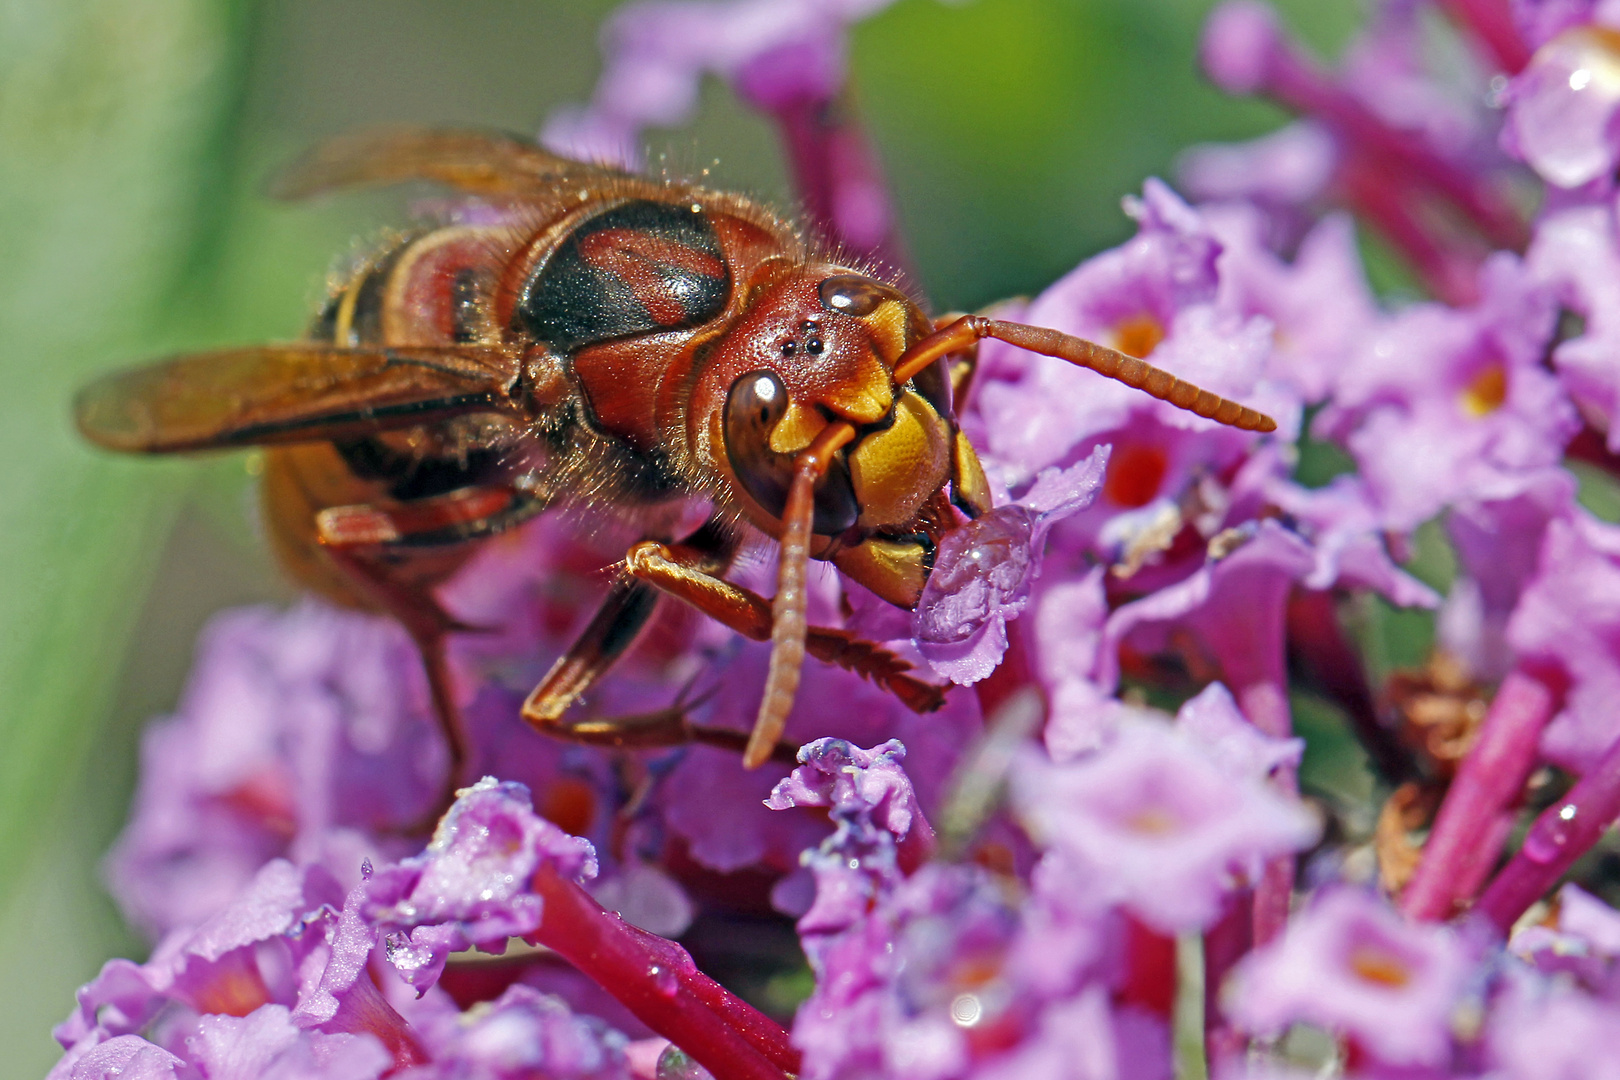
(971, 485)
(888, 323)
(897, 469)
(797, 427)
(866, 397)
(893, 569)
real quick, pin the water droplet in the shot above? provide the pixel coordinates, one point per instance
(664, 979)
(966, 1010)
(1548, 836)
(365, 869)
(673, 1064)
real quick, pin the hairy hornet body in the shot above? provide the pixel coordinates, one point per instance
(584, 335)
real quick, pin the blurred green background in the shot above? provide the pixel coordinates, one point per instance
(135, 136)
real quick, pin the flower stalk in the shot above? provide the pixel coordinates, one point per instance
(1563, 833)
(657, 981)
(1468, 830)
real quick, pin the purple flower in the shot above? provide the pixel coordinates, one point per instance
(1233, 606)
(1576, 253)
(1584, 916)
(984, 570)
(227, 964)
(1082, 713)
(1539, 21)
(267, 1045)
(1319, 304)
(656, 53)
(864, 788)
(1442, 404)
(524, 1033)
(1551, 1031)
(1165, 830)
(293, 725)
(128, 1057)
(1349, 547)
(1565, 625)
(880, 831)
(1498, 543)
(1279, 172)
(1152, 297)
(1240, 41)
(1564, 109)
(472, 886)
(1211, 721)
(1352, 964)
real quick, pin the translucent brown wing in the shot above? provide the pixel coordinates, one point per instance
(473, 161)
(288, 393)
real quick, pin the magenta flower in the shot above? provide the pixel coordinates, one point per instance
(1441, 405)
(1498, 543)
(1576, 253)
(1551, 1031)
(1351, 964)
(1565, 625)
(1319, 304)
(1154, 297)
(1165, 830)
(1279, 173)
(657, 52)
(471, 887)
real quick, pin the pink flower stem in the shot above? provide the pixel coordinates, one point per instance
(1225, 943)
(1447, 268)
(1459, 850)
(1491, 23)
(1562, 834)
(838, 179)
(1295, 80)
(1265, 703)
(657, 981)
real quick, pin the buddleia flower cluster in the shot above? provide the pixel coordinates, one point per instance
(1098, 860)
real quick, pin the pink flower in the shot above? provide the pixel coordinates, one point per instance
(1565, 624)
(1548, 1031)
(657, 52)
(1576, 253)
(1164, 830)
(1442, 404)
(1351, 964)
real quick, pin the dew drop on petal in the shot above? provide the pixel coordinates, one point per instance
(966, 1010)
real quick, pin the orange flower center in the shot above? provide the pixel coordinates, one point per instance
(1152, 821)
(1380, 966)
(1138, 335)
(1486, 392)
